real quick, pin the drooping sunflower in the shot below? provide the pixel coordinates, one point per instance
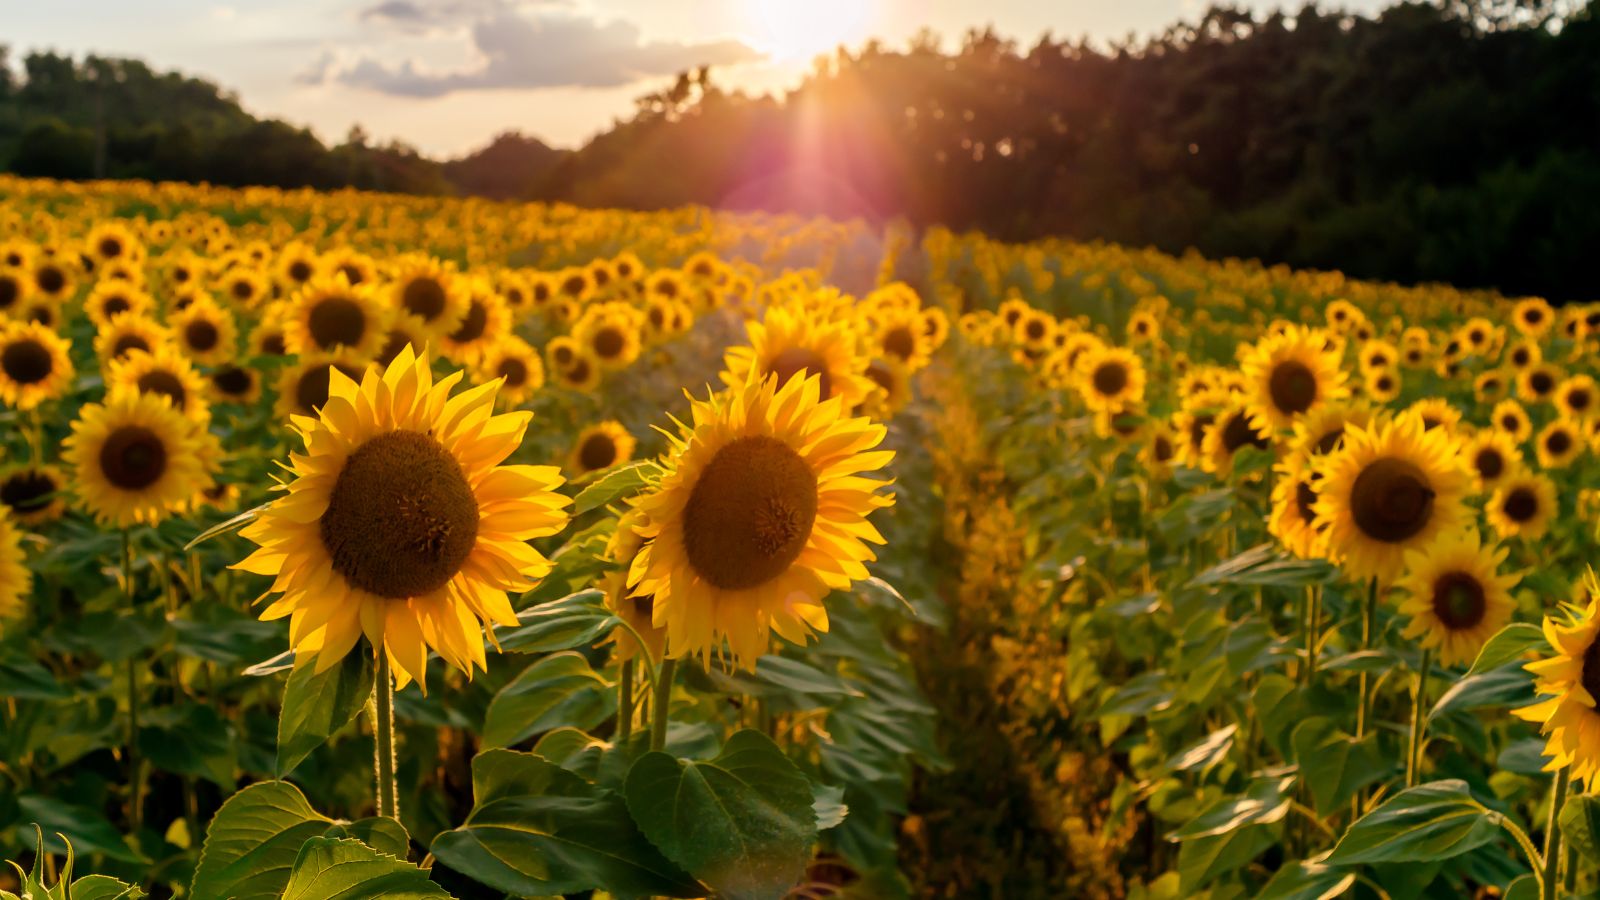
(164, 373)
(1491, 455)
(1522, 506)
(35, 494)
(1293, 518)
(520, 367)
(16, 581)
(1392, 487)
(205, 332)
(34, 364)
(424, 288)
(402, 525)
(303, 387)
(788, 341)
(1569, 682)
(1558, 444)
(1290, 374)
(1110, 378)
(599, 447)
(330, 315)
(762, 511)
(1455, 597)
(134, 459)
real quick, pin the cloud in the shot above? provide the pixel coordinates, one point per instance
(517, 50)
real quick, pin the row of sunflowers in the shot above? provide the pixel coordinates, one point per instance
(366, 546)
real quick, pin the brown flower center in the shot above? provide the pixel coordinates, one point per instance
(1489, 463)
(28, 491)
(1591, 669)
(514, 371)
(1305, 498)
(336, 321)
(201, 334)
(352, 274)
(608, 343)
(243, 290)
(50, 279)
(798, 360)
(599, 451)
(1391, 500)
(232, 381)
(27, 362)
(1579, 399)
(900, 343)
(473, 324)
(311, 391)
(273, 345)
(750, 513)
(1239, 432)
(115, 304)
(424, 298)
(9, 291)
(110, 248)
(1293, 387)
(165, 384)
(1542, 383)
(1521, 505)
(1330, 442)
(578, 373)
(133, 458)
(1558, 442)
(299, 270)
(1458, 600)
(1109, 378)
(1163, 450)
(401, 518)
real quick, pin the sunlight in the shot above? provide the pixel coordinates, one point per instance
(800, 29)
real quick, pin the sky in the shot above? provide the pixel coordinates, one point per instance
(446, 76)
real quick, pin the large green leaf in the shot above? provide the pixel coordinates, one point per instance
(1333, 764)
(559, 690)
(1265, 564)
(1429, 822)
(537, 829)
(316, 706)
(1203, 860)
(1205, 753)
(86, 829)
(742, 822)
(615, 484)
(1508, 645)
(1307, 881)
(1580, 825)
(1506, 686)
(381, 833)
(576, 620)
(25, 679)
(1143, 694)
(330, 869)
(1265, 801)
(191, 739)
(103, 887)
(253, 842)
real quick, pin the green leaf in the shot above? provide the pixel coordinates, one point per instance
(1202, 860)
(576, 620)
(1525, 887)
(1498, 688)
(253, 842)
(103, 887)
(1307, 881)
(86, 829)
(234, 524)
(1434, 821)
(1580, 825)
(1209, 751)
(1508, 645)
(1264, 802)
(742, 822)
(829, 806)
(1265, 564)
(25, 679)
(191, 739)
(573, 750)
(1335, 765)
(1144, 694)
(316, 706)
(559, 690)
(329, 869)
(617, 483)
(381, 833)
(537, 829)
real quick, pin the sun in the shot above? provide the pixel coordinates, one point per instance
(791, 30)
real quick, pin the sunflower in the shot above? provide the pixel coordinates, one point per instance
(127, 333)
(330, 315)
(1110, 378)
(1143, 327)
(1160, 449)
(405, 330)
(936, 325)
(1578, 397)
(1392, 487)
(891, 389)
(1523, 354)
(1570, 682)
(15, 290)
(296, 265)
(240, 385)
(16, 581)
(518, 364)
(488, 320)
(53, 280)
(1435, 413)
(574, 284)
(1538, 382)
(164, 373)
(582, 374)
(600, 447)
(1235, 429)
(206, 332)
(35, 494)
(134, 458)
(401, 524)
(1509, 417)
(34, 364)
(789, 341)
(762, 511)
(1290, 374)
(1321, 431)
(1378, 355)
(109, 299)
(1454, 597)
(1533, 316)
(609, 336)
(1194, 422)
(1381, 385)
(266, 339)
(1036, 329)
(635, 609)
(1293, 518)
(900, 336)
(244, 286)
(303, 387)
(111, 241)
(1491, 455)
(1558, 444)
(356, 267)
(1522, 506)
(425, 289)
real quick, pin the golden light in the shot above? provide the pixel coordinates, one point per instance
(801, 29)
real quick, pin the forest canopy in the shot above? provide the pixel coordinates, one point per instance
(1427, 142)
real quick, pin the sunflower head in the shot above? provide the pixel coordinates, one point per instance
(1110, 378)
(1455, 597)
(1290, 374)
(1523, 505)
(34, 364)
(330, 315)
(134, 458)
(35, 494)
(16, 580)
(400, 522)
(790, 341)
(1293, 517)
(600, 447)
(1568, 682)
(165, 373)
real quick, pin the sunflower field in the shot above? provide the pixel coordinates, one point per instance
(359, 546)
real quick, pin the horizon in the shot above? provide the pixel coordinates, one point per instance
(447, 76)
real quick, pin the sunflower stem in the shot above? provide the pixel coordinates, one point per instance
(662, 703)
(625, 704)
(135, 775)
(1313, 630)
(1418, 722)
(383, 728)
(1551, 886)
(1369, 615)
